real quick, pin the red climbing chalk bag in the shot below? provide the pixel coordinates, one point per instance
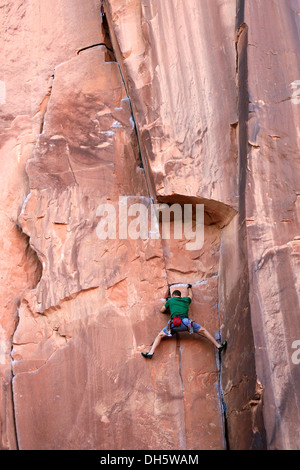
(176, 321)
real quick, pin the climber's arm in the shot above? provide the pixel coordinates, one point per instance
(163, 309)
(190, 293)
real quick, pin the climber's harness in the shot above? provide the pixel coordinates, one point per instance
(176, 321)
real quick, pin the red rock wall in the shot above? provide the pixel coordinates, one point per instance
(192, 125)
(30, 52)
(164, 117)
(272, 212)
(241, 387)
(184, 110)
(77, 346)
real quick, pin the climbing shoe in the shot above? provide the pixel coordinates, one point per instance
(223, 346)
(147, 355)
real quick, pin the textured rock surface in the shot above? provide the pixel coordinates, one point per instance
(37, 38)
(198, 109)
(100, 298)
(190, 125)
(273, 217)
(169, 55)
(19, 266)
(29, 44)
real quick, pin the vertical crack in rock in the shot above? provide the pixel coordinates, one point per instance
(254, 438)
(44, 104)
(134, 124)
(142, 160)
(113, 41)
(182, 437)
(222, 401)
(243, 108)
(13, 400)
(109, 46)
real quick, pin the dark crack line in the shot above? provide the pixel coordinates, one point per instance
(220, 389)
(12, 388)
(134, 123)
(47, 97)
(223, 405)
(142, 161)
(182, 384)
(92, 46)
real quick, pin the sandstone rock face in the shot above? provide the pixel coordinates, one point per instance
(20, 268)
(170, 54)
(99, 298)
(101, 117)
(28, 60)
(47, 35)
(190, 126)
(273, 217)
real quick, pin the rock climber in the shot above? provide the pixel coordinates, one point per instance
(180, 321)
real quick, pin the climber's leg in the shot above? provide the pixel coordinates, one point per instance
(204, 332)
(157, 341)
(155, 344)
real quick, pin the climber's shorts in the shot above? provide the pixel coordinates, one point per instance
(182, 327)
